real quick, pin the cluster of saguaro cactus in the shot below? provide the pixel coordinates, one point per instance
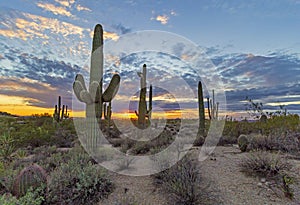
(93, 97)
(31, 176)
(143, 112)
(60, 113)
(213, 107)
(107, 112)
(201, 128)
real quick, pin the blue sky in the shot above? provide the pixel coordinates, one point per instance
(253, 43)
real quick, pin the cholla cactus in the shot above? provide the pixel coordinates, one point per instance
(31, 176)
(94, 97)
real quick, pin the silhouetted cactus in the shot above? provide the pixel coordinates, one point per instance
(59, 112)
(31, 176)
(94, 97)
(201, 128)
(107, 112)
(213, 107)
(143, 112)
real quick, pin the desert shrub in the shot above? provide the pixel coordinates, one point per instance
(8, 199)
(32, 197)
(78, 183)
(104, 154)
(271, 167)
(184, 183)
(243, 142)
(227, 140)
(159, 143)
(124, 163)
(285, 142)
(7, 146)
(264, 164)
(116, 142)
(56, 159)
(141, 147)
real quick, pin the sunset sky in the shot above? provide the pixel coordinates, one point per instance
(254, 46)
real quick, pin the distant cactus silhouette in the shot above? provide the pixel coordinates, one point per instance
(143, 112)
(60, 112)
(201, 128)
(31, 176)
(213, 107)
(94, 97)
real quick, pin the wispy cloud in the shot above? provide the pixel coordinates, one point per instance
(82, 8)
(32, 26)
(57, 10)
(65, 3)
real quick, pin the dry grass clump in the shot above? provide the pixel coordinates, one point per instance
(272, 167)
(184, 183)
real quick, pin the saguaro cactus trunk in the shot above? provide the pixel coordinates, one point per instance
(94, 98)
(143, 112)
(201, 128)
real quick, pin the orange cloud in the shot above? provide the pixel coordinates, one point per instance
(163, 19)
(35, 26)
(14, 34)
(54, 9)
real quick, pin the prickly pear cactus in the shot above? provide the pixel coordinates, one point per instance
(31, 176)
(243, 142)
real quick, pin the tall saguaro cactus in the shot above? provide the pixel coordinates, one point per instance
(60, 112)
(213, 107)
(143, 112)
(201, 128)
(94, 97)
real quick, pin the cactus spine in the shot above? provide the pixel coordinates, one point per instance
(201, 128)
(94, 97)
(213, 107)
(143, 112)
(31, 176)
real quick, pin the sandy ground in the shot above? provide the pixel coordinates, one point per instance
(223, 173)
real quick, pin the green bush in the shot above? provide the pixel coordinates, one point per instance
(32, 197)
(78, 181)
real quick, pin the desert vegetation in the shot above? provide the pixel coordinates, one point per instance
(43, 161)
